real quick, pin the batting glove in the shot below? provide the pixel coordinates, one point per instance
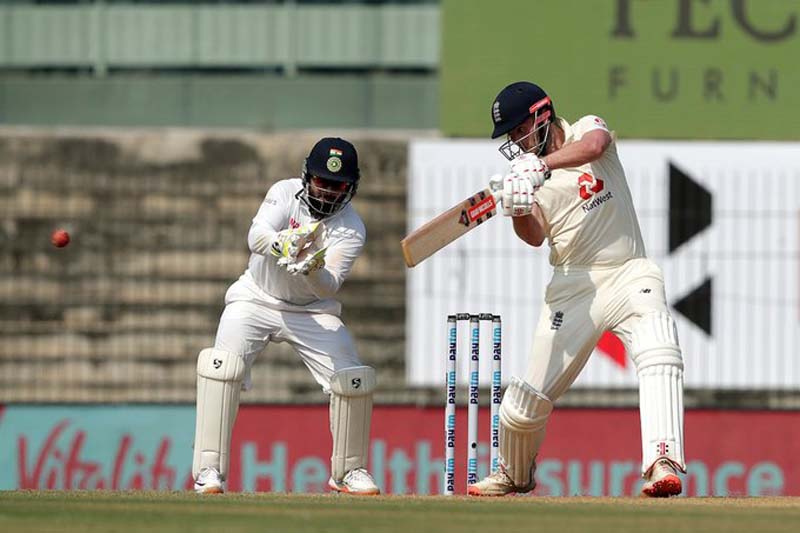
(517, 196)
(532, 168)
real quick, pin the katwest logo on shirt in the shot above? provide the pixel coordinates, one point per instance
(588, 185)
(589, 188)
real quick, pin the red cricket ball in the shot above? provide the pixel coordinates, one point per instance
(59, 238)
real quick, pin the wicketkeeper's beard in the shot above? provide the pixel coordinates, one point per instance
(323, 203)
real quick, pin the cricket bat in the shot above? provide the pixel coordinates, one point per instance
(449, 226)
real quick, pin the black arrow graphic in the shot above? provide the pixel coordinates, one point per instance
(696, 306)
(689, 208)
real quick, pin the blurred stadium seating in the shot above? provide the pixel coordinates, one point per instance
(159, 216)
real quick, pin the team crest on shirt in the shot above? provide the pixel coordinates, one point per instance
(293, 223)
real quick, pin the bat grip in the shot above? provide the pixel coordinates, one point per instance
(497, 186)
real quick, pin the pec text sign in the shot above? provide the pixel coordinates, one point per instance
(705, 69)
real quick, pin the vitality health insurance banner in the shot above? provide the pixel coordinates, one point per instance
(287, 448)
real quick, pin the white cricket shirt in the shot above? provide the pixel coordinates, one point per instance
(589, 209)
(272, 285)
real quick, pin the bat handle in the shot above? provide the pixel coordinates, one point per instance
(496, 185)
(496, 188)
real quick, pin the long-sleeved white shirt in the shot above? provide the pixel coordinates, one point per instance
(344, 236)
(589, 209)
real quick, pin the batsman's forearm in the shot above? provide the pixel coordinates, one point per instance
(529, 230)
(575, 154)
(572, 155)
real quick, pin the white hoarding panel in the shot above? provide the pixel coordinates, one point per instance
(731, 270)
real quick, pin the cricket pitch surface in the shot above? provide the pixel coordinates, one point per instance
(185, 511)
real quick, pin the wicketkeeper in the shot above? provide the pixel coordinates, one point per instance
(566, 184)
(304, 241)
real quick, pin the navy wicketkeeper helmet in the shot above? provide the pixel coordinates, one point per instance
(335, 161)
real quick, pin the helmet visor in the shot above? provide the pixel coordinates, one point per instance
(531, 136)
(326, 197)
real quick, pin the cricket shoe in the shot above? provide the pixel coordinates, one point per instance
(209, 482)
(499, 484)
(662, 480)
(357, 482)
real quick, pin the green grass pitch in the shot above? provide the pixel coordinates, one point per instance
(181, 511)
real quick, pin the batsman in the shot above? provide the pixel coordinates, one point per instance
(566, 185)
(303, 243)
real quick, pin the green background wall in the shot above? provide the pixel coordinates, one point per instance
(724, 69)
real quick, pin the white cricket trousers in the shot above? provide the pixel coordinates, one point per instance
(321, 340)
(581, 304)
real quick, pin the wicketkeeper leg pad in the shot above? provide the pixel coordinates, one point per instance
(523, 416)
(659, 365)
(219, 382)
(351, 414)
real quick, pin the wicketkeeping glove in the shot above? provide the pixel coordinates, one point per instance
(288, 243)
(308, 264)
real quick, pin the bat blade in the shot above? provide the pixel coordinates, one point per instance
(449, 226)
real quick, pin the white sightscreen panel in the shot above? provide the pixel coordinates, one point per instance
(750, 252)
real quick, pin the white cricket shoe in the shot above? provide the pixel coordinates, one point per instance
(499, 484)
(662, 480)
(357, 482)
(209, 482)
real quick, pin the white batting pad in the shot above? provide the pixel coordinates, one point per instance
(659, 365)
(523, 416)
(351, 413)
(654, 340)
(219, 382)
